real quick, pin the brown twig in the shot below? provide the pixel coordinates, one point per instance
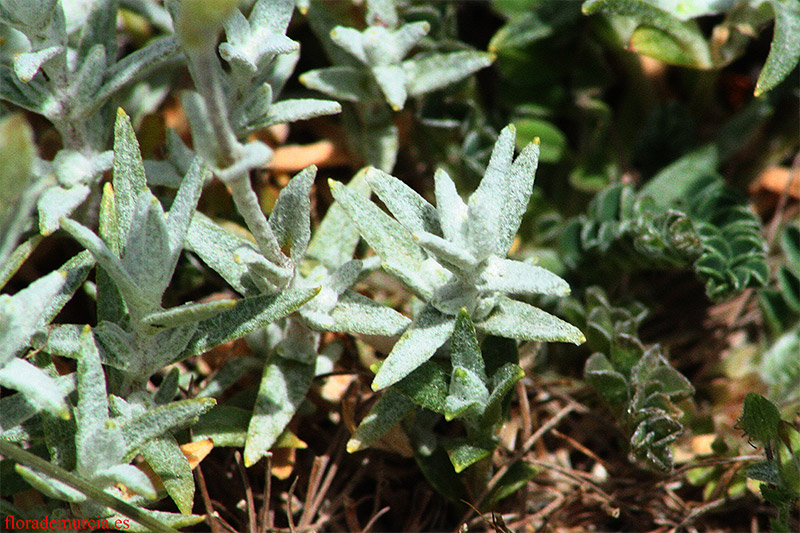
(525, 410)
(697, 512)
(265, 515)
(375, 518)
(580, 447)
(314, 480)
(350, 515)
(711, 462)
(248, 494)
(321, 489)
(289, 510)
(210, 512)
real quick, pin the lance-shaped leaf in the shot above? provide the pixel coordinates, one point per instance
(118, 347)
(467, 396)
(132, 67)
(388, 411)
(495, 209)
(433, 72)
(426, 386)
(516, 277)
(129, 178)
(451, 209)
(21, 314)
(258, 111)
(225, 425)
(429, 330)
(162, 419)
(36, 386)
(188, 313)
(99, 443)
(183, 206)
(357, 314)
(464, 349)
(468, 393)
(146, 258)
(284, 385)
(248, 315)
(401, 42)
(20, 254)
(351, 40)
(49, 486)
(57, 202)
(234, 258)
(392, 82)
(448, 253)
(464, 453)
(18, 189)
(343, 83)
(109, 261)
(89, 76)
(100, 28)
(407, 206)
(388, 238)
(26, 65)
(334, 241)
(18, 408)
(784, 52)
(32, 96)
(290, 219)
(503, 381)
(129, 476)
(168, 388)
(518, 320)
(165, 457)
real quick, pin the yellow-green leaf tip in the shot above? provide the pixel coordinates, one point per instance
(354, 445)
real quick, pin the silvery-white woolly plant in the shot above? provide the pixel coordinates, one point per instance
(136, 251)
(226, 107)
(323, 267)
(59, 60)
(452, 257)
(373, 75)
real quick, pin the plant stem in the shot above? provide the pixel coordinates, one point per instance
(247, 203)
(33, 461)
(205, 70)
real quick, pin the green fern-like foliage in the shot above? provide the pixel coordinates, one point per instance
(734, 256)
(636, 381)
(627, 230)
(709, 231)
